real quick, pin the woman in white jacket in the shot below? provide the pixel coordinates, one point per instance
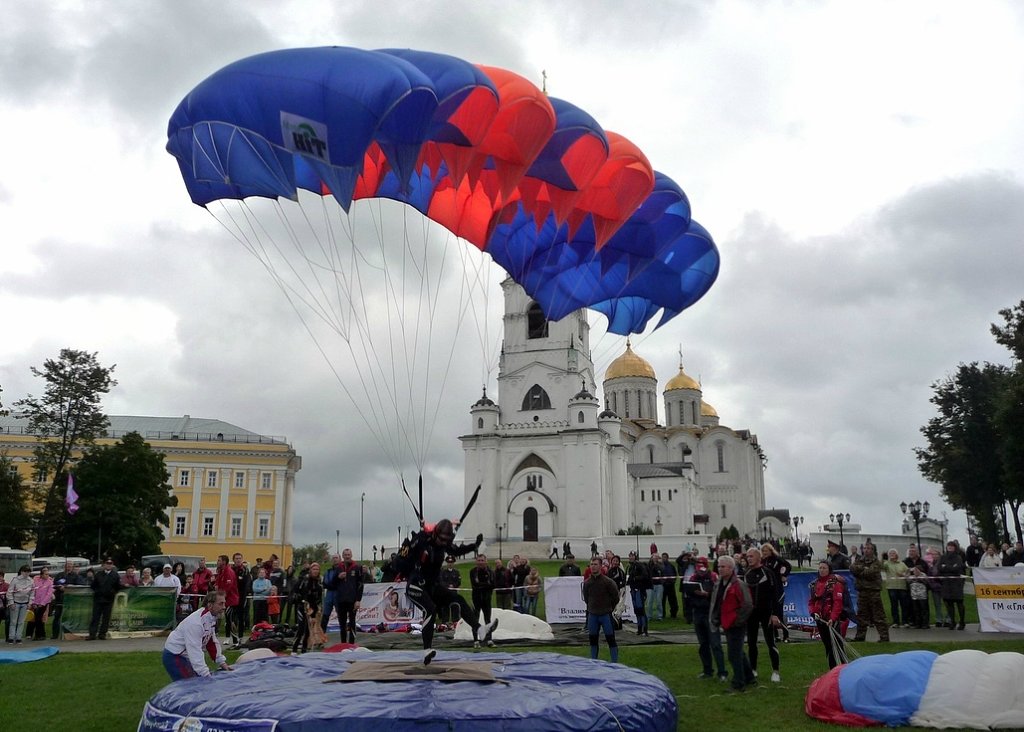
(19, 595)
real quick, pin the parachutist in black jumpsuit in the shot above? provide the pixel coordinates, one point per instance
(427, 552)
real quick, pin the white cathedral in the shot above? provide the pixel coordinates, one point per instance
(554, 463)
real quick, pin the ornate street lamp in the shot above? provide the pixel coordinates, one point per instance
(918, 512)
(842, 520)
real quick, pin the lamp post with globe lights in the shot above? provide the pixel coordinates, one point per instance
(842, 520)
(918, 512)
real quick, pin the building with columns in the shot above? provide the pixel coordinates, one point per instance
(555, 460)
(234, 487)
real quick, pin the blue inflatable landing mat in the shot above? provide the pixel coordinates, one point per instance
(530, 691)
(28, 654)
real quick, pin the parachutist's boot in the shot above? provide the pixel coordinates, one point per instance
(428, 656)
(483, 633)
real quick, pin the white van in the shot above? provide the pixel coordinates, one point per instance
(56, 564)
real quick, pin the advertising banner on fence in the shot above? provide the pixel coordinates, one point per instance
(385, 604)
(563, 601)
(1000, 594)
(798, 592)
(138, 611)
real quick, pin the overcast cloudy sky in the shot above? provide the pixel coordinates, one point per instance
(859, 165)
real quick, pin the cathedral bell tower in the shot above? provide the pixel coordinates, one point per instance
(542, 362)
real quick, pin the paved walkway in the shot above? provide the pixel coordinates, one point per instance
(564, 635)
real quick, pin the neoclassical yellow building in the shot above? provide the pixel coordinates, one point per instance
(234, 487)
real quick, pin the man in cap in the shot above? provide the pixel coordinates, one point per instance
(836, 559)
(166, 579)
(423, 556)
(105, 585)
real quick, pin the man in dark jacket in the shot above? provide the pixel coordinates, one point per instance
(451, 578)
(105, 585)
(347, 584)
(502, 585)
(601, 596)
(481, 579)
(239, 617)
(668, 582)
(709, 639)
(766, 593)
(570, 568)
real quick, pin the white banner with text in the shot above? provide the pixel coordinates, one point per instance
(1000, 595)
(563, 601)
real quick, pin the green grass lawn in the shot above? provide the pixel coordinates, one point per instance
(106, 691)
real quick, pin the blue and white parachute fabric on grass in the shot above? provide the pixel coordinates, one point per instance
(967, 688)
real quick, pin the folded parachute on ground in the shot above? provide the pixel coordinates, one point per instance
(575, 214)
(965, 688)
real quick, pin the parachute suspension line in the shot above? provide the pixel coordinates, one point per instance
(310, 300)
(481, 270)
(438, 397)
(358, 314)
(289, 293)
(371, 351)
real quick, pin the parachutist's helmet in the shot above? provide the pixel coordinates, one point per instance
(444, 532)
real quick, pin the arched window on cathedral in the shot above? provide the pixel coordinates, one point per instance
(536, 323)
(682, 416)
(479, 423)
(579, 417)
(650, 454)
(536, 398)
(625, 404)
(693, 411)
(720, 448)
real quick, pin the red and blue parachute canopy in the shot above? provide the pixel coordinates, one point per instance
(575, 214)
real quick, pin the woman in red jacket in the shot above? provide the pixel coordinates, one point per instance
(826, 605)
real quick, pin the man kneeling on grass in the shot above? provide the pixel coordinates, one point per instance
(183, 652)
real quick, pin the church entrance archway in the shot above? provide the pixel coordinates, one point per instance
(530, 524)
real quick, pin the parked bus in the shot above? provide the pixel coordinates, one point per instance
(11, 560)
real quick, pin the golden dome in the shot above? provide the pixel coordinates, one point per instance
(706, 410)
(629, 364)
(682, 380)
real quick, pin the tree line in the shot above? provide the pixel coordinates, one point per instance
(122, 488)
(975, 443)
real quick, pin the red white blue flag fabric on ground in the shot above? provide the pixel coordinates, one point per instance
(71, 499)
(966, 688)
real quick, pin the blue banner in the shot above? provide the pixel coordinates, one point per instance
(798, 592)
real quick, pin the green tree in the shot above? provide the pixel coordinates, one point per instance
(1009, 412)
(962, 455)
(975, 448)
(320, 553)
(66, 417)
(15, 521)
(123, 501)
